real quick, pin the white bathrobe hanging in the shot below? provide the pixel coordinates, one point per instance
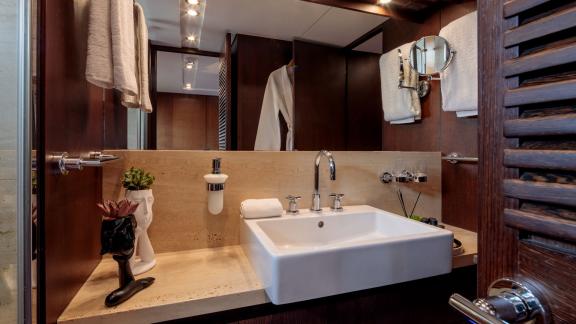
(277, 99)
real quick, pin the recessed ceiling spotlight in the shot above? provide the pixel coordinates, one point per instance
(188, 86)
(192, 12)
(189, 65)
(191, 38)
(383, 2)
(193, 2)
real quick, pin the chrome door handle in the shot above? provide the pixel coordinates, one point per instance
(508, 301)
(64, 164)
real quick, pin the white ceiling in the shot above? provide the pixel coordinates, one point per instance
(171, 71)
(278, 19)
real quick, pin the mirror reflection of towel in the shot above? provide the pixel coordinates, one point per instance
(278, 99)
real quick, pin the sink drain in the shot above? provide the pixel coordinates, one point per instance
(320, 224)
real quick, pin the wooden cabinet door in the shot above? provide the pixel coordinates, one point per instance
(527, 221)
(70, 113)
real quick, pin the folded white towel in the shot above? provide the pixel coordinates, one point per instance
(261, 208)
(123, 46)
(141, 101)
(99, 69)
(400, 105)
(411, 78)
(460, 79)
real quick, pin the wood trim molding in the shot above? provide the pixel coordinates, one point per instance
(497, 246)
(357, 42)
(152, 117)
(183, 50)
(373, 9)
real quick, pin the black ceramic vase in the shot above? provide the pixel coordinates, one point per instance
(117, 237)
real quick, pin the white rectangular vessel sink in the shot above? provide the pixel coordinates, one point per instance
(313, 255)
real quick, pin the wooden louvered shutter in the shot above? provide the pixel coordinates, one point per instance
(225, 96)
(527, 225)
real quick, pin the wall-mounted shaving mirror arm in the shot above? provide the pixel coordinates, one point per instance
(422, 87)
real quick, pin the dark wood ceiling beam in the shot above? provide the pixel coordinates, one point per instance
(184, 50)
(374, 9)
(360, 40)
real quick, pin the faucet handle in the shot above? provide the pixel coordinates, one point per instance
(292, 204)
(336, 201)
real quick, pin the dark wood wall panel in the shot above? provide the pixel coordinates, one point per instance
(391, 304)
(439, 130)
(319, 97)
(253, 59)
(212, 123)
(186, 122)
(557, 282)
(71, 120)
(364, 109)
(115, 121)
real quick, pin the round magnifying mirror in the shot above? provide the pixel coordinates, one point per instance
(430, 55)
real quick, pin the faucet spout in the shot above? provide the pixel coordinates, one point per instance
(332, 169)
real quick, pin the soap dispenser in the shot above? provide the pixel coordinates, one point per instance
(215, 182)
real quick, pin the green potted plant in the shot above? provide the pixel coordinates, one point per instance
(138, 183)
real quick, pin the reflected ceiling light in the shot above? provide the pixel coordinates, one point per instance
(192, 12)
(188, 86)
(191, 38)
(383, 2)
(193, 2)
(189, 65)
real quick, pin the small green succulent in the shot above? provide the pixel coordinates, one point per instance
(137, 179)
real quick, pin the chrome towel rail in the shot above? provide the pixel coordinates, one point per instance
(455, 158)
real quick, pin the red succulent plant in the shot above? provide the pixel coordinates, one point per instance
(117, 209)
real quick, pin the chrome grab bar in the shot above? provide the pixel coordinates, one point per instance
(65, 164)
(455, 158)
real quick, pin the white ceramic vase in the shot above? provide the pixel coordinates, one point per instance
(144, 258)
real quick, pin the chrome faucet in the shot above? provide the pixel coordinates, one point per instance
(332, 167)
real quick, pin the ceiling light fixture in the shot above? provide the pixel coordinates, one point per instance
(383, 2)
(189, 65)
(192, 12)
(191, 38)
(188, 86)
(193, 2)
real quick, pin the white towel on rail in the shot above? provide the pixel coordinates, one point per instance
(278, 99)
(123, 46)
(142, 100)
(411, 78)
(99, 67)
(401, 106)
(460, 79)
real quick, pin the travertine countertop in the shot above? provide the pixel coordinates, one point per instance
(188, 283)
(469, 241)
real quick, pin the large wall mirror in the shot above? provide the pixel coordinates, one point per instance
(250, 74)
